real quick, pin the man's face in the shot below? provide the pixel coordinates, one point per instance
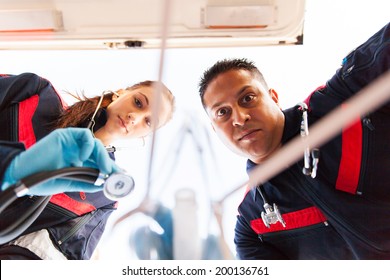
(245, 116)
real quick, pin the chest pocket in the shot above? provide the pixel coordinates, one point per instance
(294, 220)
(27, 109)
(16, 121)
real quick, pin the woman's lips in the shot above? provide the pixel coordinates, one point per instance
(123, 124)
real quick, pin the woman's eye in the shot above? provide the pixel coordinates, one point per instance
(148, 122)
(138, 103)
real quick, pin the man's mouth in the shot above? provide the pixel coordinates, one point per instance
(248, 134)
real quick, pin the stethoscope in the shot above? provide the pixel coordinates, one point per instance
(115, 187)
(272, 215)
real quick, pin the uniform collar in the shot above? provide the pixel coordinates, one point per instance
(100, 119)
(292, 124)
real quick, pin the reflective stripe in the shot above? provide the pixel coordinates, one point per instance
(64, 201)
(351, 155)
(298, 219)
(26, 111)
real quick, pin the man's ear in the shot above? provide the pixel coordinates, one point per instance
(274, 95)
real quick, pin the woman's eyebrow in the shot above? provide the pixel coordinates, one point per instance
(147, 100)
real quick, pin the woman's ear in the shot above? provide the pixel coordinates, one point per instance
(116, 94)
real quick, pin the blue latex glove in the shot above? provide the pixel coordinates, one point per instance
(67, 147)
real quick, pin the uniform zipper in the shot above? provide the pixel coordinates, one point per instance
(291, 231)
(368, 64)
(83, 220)
(13, 111)
(60, 210)
(367, 127)
(323, 206)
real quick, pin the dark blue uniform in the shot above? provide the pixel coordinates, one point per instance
(29, 105)
(343, 213)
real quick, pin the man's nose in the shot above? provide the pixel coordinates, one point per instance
(240, 117)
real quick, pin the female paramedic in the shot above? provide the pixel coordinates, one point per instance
(31, 111)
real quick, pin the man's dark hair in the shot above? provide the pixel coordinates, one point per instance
(225, 65)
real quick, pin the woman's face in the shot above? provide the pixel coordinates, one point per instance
(130, 115)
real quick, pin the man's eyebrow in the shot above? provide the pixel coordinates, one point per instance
(238, 93)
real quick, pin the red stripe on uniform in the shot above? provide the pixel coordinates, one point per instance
(26, 111)
(79, 208)
(307, 99)
(351, 154)
(302, 218)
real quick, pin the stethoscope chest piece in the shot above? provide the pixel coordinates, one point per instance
(118, 185)
(271, 215)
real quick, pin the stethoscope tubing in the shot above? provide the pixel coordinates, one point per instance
(7, 197)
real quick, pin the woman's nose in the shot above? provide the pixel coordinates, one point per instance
(134, 118)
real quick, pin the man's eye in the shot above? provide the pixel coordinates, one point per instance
(247, 98)
(222, 112)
